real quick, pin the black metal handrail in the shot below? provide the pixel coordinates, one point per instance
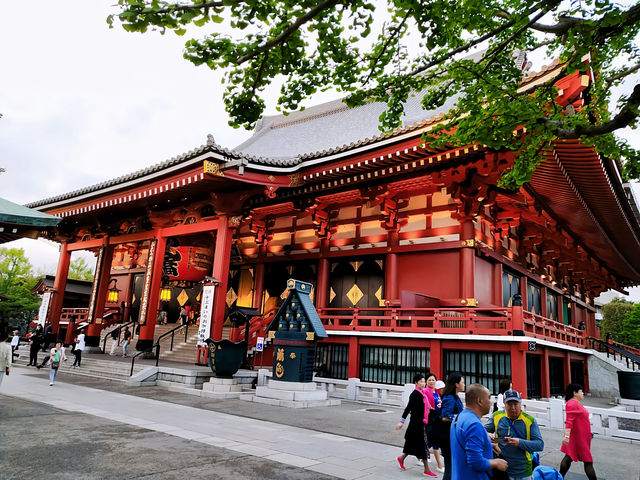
(157, 345)
(631, 362)
(119, 329)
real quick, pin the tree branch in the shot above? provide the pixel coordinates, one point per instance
(289, 30)
(625, 117)
(473, 43)
(386, 45)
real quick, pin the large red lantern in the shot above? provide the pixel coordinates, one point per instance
(188, 259)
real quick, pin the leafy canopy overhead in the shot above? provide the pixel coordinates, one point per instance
(388, 50)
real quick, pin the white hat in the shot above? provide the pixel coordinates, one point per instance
(439, 384)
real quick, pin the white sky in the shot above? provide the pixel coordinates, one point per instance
(83, 103)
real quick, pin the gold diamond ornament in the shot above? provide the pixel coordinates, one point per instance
(355, 295)
(182, 298)
(231, 297)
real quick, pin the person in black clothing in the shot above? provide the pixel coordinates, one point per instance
(35, 343)
(415, 438)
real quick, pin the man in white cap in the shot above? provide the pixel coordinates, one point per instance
(518, 436)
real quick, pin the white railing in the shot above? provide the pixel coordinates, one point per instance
(550, 414)
(604, 421)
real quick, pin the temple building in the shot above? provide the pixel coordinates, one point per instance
(419, 261)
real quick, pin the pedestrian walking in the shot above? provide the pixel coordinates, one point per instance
(80, 346)
(518, 436)
(183, 316)
(415, 438)
(35, 343)
(47, 337)
(451, 406)
(576, 442)
(471, 449)
(5, 356)
(114, 342)
(127, 338)
(504, 385)
(15, 342)
(55, 357)
(432, 384)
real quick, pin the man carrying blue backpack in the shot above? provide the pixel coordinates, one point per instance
(518, 437)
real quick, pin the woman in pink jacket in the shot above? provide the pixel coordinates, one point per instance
(576, 443)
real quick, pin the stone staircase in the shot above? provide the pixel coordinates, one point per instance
(95, 367)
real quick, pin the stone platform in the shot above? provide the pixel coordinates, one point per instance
(222, 388)
(291, 395)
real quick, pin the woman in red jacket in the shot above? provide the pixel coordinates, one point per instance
(576, 443)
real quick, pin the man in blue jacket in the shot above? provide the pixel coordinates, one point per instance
(518, 435)
(471, 450)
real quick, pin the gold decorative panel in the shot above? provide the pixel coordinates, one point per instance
(354, 295)
(183, 297)
(332, 295)
(231, 297)
(379, 296)
(356, 265)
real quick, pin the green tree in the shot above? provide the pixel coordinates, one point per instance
(411, 46)
(629, 332)
(613, 314)
(79, 269)
(16, 281)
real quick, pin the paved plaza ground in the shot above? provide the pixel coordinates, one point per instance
(82, 428)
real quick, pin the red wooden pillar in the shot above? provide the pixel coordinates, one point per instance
(151, 290)
(101, 283)
(566, 363)
(497, 284)
(59, 286)
(519, 368)
(391, 268)
(258, 281)
(354, 357)
(543, 302)
(322, 285)
(224, 237)
(546, 382)
(435, 359)
(467, 263)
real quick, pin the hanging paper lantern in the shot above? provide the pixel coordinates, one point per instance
(188, 259)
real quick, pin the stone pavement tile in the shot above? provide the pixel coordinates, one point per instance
(218, 442)
(363, 463)
(294, 460)
(253, 450)
(187, 434)
(161, 427)
(335, 438)
(315, 451)
(337, 471)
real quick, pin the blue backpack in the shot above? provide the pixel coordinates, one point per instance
(545, 472)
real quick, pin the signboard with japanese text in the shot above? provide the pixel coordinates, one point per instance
(206, 310)
(44, 308)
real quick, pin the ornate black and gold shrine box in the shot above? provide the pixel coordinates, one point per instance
(295, 330)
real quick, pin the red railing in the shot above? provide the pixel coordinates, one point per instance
(462, 321)
(547, 329)
(257, 328)
(488, 321)
(79, 314)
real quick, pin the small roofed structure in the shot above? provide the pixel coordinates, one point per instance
(17, 221)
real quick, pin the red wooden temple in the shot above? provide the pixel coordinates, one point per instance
(416, 255)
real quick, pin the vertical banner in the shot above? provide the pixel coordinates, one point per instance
(142, 319)
(94, 288)
(44, 308)
(206, 310)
